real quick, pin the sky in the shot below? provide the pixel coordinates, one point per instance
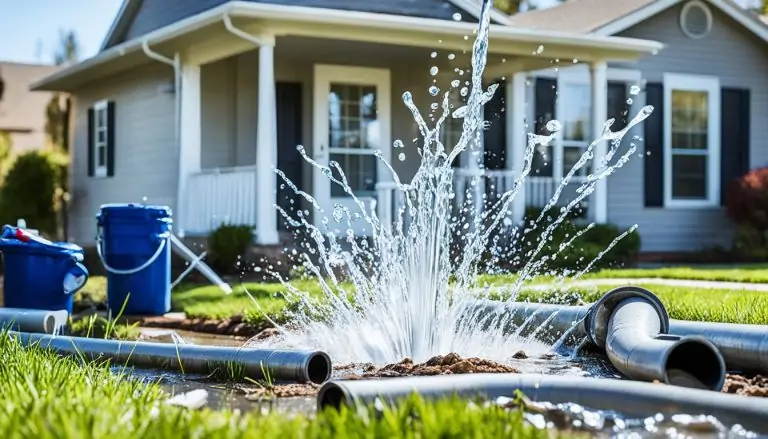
(29, 29)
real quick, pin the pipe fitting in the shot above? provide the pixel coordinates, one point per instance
(631, 324)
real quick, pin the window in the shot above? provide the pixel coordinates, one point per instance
(576, 130)
(100, 138)
(691, 141)
(450, 132)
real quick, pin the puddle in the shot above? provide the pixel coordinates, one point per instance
(161, 335)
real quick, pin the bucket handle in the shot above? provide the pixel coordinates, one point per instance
(112, 270)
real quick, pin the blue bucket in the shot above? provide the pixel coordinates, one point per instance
(133, 242)
(40, 274)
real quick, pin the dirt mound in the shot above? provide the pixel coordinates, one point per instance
(439, 365)
(747, 386)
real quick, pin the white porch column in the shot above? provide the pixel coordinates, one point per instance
(516, 138)
(190, 139)
(266, 147)
(599, 87)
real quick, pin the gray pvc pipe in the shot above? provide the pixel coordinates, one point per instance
(300, 366)
(631, 398)
(744, 347)
(33, 320)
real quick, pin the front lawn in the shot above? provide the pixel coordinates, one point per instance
(757, 273)
(48, 396)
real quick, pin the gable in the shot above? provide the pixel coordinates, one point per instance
(146, 16)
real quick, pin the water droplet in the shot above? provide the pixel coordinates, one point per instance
(464, 91)
(457, 16)
(434, 90)
(634, 90)
(539, 50)
(554, 126)
(433, 106)
(433, 70)
(143, 199)
(629, 101)
(466, 37)
(433, 55)
(455, 83)
(398, 144)
(451, 56)
(401, 157)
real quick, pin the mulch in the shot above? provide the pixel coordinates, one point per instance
(746, 385)
(234, 326)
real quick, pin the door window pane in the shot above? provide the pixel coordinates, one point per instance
(360, 171)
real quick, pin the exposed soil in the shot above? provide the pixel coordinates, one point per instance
(439, 365)
(748, 386)
(281, 391)
(232, 326)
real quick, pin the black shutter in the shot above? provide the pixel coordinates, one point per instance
(617, 105)
(494, 138)
(653, 159)
(289, 160)
(734, 135)
(91, 140)
(546, 95)
(110, 139)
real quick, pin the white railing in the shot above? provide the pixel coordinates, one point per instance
(538, 190)
(389, 201)
(219, 196)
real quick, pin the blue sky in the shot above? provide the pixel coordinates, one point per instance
(30, 21)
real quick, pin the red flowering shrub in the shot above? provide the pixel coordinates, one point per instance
(746, 200)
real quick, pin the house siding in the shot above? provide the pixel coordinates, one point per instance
(154, 14)
(146, 157)
(739, 59)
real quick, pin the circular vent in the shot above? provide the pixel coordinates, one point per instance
(696, 19)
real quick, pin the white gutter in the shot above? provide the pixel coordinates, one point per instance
(385, 22)
(174, 62)
(239, 32)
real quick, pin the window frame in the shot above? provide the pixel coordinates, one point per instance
(698, 83)
(100, 106)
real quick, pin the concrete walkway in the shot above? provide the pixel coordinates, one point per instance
(586, 283)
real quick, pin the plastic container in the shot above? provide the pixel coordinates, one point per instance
(40, 274)
(133, 242)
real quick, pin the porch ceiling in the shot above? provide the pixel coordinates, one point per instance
(203, 38)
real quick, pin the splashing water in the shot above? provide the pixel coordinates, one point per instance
(403, 294)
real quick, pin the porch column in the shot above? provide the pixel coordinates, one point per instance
(599, 87)
(516, 138)
(266, 147)
(190, 139)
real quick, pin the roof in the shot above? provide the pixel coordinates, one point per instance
(20, 109)
(610, 17)
(361, 26)
(159, 13)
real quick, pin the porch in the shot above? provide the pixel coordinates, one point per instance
(244, 111)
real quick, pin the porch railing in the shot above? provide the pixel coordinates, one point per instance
(219, 196)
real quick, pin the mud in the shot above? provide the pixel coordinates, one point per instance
(745, 385)
(440, 365)
(280, 391)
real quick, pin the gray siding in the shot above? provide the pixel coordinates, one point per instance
(146, 158)
(739, 59)
(154, 14)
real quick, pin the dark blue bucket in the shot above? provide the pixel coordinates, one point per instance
(40, 274)
(134, 246)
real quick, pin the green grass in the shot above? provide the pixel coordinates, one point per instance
(747, 274)
(48, 396)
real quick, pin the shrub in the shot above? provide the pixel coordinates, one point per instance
(583, 250)
(746, 199)
(32, 190)
(228, 245)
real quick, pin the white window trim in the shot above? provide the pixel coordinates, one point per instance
(100, 171)
(580, 75)
(673, 81)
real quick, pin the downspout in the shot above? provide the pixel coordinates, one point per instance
(174, 62)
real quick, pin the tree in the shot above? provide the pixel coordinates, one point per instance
(57, 111)
(765, 7)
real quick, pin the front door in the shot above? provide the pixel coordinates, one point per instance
(351, 123)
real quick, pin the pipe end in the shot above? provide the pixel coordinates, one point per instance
(319, 367)
(694, 362)
(600, 313)
(331, 395)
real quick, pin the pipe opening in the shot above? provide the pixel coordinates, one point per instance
(693, 363)
(331, 396)
(319, 368)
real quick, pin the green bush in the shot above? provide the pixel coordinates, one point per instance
(228, 245)
(583, 250)
(32, 190)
